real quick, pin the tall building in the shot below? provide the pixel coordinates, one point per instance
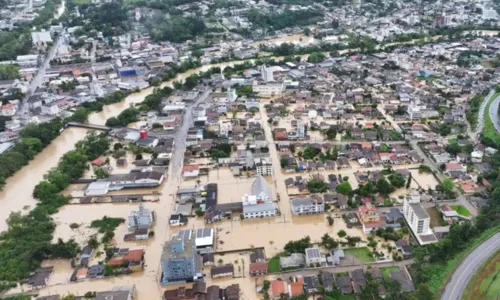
(266, 73)
(418, 220)
(180, 262)
(141, 219)
(301, 129)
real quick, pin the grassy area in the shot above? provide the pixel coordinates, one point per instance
(386, 272)
(436, 219)
(485, 284)
(363, 254)
(440, 274)
(489, 131)
(274, 263)
(461, 210)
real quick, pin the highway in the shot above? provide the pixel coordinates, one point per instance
(494, 113)
(463, 274)
(480, 117)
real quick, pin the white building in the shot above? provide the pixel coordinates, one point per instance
(259, 203)
(314, 257)
(414, 111)
(267, 88)
(225, 127)
(301, 129)
(141, 219)
(266, 73)
(418, 220)
(263, 167)
(489, 14)
(307, 206)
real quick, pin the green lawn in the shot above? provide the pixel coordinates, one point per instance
(363, 254)
(461, 210)
(440, 274)
(491, 284)
(274, 263)
(386, 272)
(489, 131)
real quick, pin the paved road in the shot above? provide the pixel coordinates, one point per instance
(38, 79)
(494, 113)
(181, 135)
(480, 117)
(463, 274)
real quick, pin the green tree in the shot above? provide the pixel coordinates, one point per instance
(100, 173)
(316, 57)
(8, 72)
(384, 187)
(284, 162)
(447, 186)
(397, 180)
(341, 233)
(328, 242)
(317, 186)
(298, 246)
(344, 188)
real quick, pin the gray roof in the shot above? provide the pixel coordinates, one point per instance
(260, 187)
(115, 295)
(419, 210)
(302, 201)
(267, 206)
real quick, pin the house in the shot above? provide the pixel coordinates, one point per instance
(208, 259)
(404, 280)
(296, 287)
(278, 289)
(258, 269)
(295, 260)
(95, 271)
(39, 278)
(403, 247)
(222, 271)
(118, 293)
(190, 171)
(141, 219)
(358, 280)
(327, 280)
(180, 262)
(86, 252)
(449, 167)
(312, 284)
(343, 283)
(314, 258)
(257, 255)
(134, 259)
(182, 293)
(81, 273)
(137, 235)
(335, 256)
(306, 206)
(178, 220)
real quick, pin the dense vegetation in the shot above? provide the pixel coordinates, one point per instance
(175, 29)
(289, 18)
(109, 18)
(27, 241)
(9, 72)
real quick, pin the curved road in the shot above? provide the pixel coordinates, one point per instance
(480, 117)
(494, 113)
(463, 274)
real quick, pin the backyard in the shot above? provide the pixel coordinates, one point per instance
(386, 272)
(461, 210)
(362, 254)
